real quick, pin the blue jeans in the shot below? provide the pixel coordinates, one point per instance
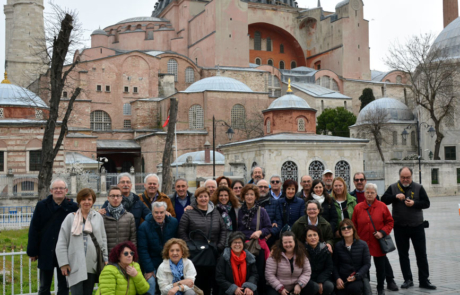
(152, 283)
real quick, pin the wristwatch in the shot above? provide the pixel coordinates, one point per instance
(301, 285)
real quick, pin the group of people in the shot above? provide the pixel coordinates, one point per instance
(267, 236)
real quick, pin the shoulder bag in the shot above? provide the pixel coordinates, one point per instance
(100, 257)
(253, 245)
(203, 252)
(386, 243)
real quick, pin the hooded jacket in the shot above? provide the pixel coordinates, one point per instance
(278, 274)
(320, 262)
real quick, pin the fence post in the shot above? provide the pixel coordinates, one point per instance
(103, 181)
(9, 181)
(133, 179)
(73, 183)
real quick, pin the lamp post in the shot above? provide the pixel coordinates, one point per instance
(229, 133)
(418, 127)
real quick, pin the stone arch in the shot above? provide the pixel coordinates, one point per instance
(34, 144)
(331, 75)
(316, 168)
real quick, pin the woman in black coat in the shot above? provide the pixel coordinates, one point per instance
(228, 268)
(351, 260)
(329, 212)
(227, 204)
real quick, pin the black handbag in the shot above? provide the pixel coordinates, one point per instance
(203, 252)
(386, 243)
(100, 257)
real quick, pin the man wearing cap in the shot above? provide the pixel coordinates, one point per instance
(328, 177)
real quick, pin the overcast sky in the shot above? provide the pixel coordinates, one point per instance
(389, 20)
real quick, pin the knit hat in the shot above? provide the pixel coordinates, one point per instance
(234, 236)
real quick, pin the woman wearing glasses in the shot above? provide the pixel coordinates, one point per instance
(351, 260)
(237, 186)
(122, 276)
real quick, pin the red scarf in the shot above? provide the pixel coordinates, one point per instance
(238, 268)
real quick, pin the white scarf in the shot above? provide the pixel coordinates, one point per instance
(320, 199)
(77, 225)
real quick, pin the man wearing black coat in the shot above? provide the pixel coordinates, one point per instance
(44, 232)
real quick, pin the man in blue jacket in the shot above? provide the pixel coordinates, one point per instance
(131, 202)
(152, 235)
(270, 204)
(44, 232)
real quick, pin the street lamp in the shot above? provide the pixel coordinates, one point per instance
(229, 133)
(418, 127)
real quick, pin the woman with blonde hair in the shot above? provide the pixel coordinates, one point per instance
(176, 273)
(344, 202)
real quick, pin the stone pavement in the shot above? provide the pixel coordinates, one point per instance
(443, 247)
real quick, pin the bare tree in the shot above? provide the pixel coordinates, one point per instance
(62, 35)
(432, 77)
(253, 125)
(166, 185)
(375, 123)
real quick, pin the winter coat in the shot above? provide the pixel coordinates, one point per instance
(113, 282)
(194, 219)
(165, 277)
(300, 229)
(123, 229)
(161, 198)
(43, 244)
(139, 210)
(224, 273)
(274, 212)
(278, 274)
(151, 240)
(356, 260)
(178, 209)
(70, 249)
(320, 263)
(383, 222)
(294, 210)
(351, 203)
(353, 193)
(265, 224)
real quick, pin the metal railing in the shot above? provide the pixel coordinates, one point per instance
(16, 209)
(15, 220)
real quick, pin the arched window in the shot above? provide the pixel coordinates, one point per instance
(127, 109)
(281, 48)
(270, 62)
(398, 79)
(172, 68)
(301, 125)
(257, 41)
(395, 138)
(269, 44)
(315, 170)
(325, 81)
(412, 139)
(281, 65)
(293, 65)
(289, 171)
(238, 116)
(335, 85)
(342, 169)
(100, 121)
(268, 126)
(189, 75)
(387, 81)
(195, 117)
(258, 62)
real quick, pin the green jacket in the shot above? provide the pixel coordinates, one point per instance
(113, 282)
(300, 229)
(351, 203)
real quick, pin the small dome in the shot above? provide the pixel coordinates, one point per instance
(397, 110)
(141, 19)
(449, 40)
(99, 32)
(289, 101)
(13, 95)
(343, 3)
(198, 158)
(218, 83)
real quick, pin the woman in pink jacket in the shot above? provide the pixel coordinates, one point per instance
(288, 269)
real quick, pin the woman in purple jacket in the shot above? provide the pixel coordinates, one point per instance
(288, 269)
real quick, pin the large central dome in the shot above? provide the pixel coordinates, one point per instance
(397, 111)
(449, 40)
(218, 83)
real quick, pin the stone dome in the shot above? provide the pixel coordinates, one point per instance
(342, 3)
(397, 111)
(449, 40)
(289, 101)
(13, 95)
(99, 32)
(198, 158)
(218, 83)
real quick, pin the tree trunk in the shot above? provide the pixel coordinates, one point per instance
(437, 145)
(379, 148)
(166, 185)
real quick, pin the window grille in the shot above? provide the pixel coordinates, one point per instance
(100, 121)
(301, 125)
(135, 89)
(2, 114)
(270, 62)
(281, 48)
(2, 161)
(27, 186)
(315, 170)
(293, 65)
(98, 88)
(281, 65)
(289, 171)
(258, 62)
(127, 124)
(342, 169)
(107, 88)
(195, 117)
(238, 116)
(38, 114)
(268, 126)
(434, 176)
(398, 79)
(269, 44)
(35, 160)
(172, 68)
(64, 94)
(127, 109)
(189, 75)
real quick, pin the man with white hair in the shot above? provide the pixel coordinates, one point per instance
(44, 232)
(328, 178)
(157, 229)
(211, 185)
(152, 194)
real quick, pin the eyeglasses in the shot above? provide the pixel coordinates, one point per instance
(275, 181)
(128, 253)
(59, 188)
(346, 227)
(237, 187)
(125, 182)
(360, 180)
(263, 186)
(312, 209)
(115, 196)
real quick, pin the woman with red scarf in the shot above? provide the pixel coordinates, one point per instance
(236, 271)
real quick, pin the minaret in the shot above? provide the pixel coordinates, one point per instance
(450, 11)
(24, 41)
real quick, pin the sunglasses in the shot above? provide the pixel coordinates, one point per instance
(275, 181)
(346, 227)
(128, 253)
(360, 180)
